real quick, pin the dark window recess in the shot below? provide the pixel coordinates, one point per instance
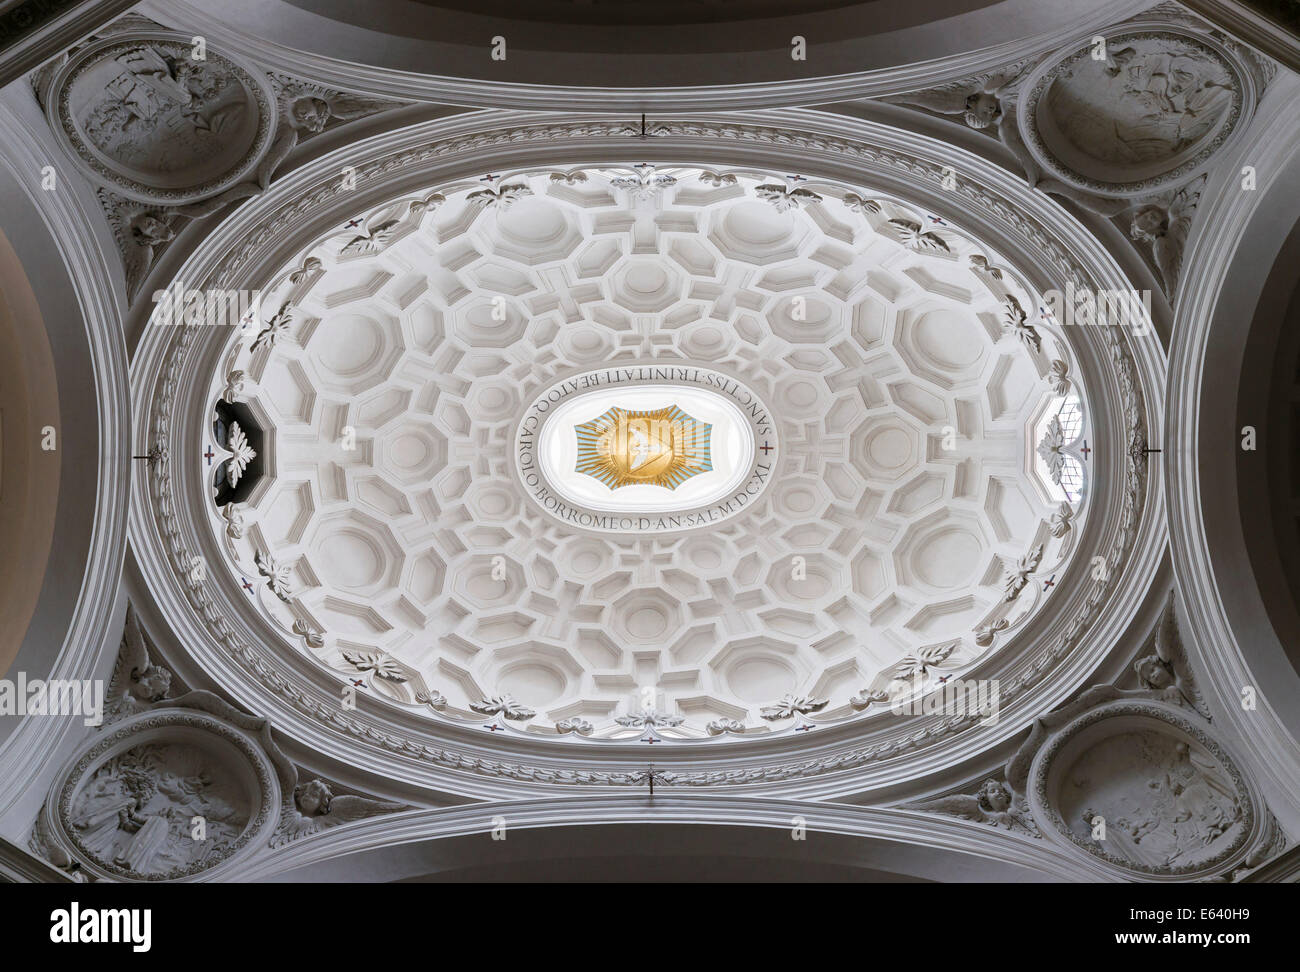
(226, 415)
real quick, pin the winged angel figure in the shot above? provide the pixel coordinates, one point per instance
(305, 109)
(315, 808)
(988, 102)
(142, 232)
(1166, 671)
(136, 683)
(994, 804)
(1164, 222)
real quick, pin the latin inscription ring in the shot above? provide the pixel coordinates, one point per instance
(741, 447)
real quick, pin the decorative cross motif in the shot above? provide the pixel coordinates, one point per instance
(352, 224)
(937, 219)
(209, 455)
(493, 727)
(651, 739)
(489, 178)
(797, 178)
(1086, 450)
(806, 727)
(943, 679)
(358, 683)
(246, 585)
(766, 448)
(1049, 583)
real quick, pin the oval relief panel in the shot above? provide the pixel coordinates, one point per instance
(1146, 115)
(141, 114)
(129, 803)
(1144, 789)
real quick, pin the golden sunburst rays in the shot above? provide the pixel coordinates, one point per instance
(664, 447)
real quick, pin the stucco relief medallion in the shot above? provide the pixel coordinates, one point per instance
(141, 114)
(646, 449)
(1143, 111)
(130, 805)
(1143, 788)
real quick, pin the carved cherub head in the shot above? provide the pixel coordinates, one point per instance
(1152, 672)
(310, 113)
(151, 684)
(149, 230)
(995, 796)
(982, 110)
(313, 798)
(1149, 223)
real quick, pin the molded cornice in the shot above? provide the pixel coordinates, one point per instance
(381, 64)
(1215, 579)
(920, 833)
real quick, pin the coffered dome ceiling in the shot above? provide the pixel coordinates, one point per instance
(858, 457)
(877, 440)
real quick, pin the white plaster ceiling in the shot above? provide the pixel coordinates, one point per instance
(908, 524)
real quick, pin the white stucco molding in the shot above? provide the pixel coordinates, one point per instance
(1232, 642)
(1123, 375)
(91, 603)
(353, 850)
(372, 61)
